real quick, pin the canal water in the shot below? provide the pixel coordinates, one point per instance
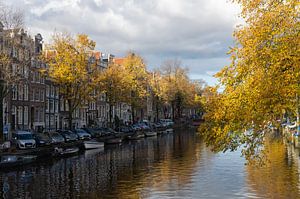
(177, 165)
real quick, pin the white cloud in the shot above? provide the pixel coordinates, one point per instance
(196, 31)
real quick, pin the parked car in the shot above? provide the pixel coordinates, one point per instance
(167, 122)
(136, 127)
(82, 134)
(23, 140)
(69, 136)
(56, 138)
(125, 129)
(94, 132)
(42, 139)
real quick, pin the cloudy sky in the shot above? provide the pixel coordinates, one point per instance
(197, 32)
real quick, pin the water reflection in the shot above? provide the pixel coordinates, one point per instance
(171, 166)
(279, 178)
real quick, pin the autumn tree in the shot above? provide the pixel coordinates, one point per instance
(70, 68)
(114, 82)
(262, 81)
(179, 90)
(137, 76)
(158, 90)
(11, 23)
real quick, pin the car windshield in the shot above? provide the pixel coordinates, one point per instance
(25, 136)
(56, 135)
(42, 136)
(80, 131)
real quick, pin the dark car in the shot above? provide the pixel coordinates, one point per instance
(94, 132)
(69, 136)
(82, 134)
(125, 129)
(56, 138)
(42, 139)
(105, 131)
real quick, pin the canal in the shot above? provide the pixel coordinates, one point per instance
(176, 165)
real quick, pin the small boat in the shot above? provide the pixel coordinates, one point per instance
(113, 141)
(136, 136)
(150, 133)
(9, 161)
(93, 144)
(65, 152)
(169, 130)
(91, 153)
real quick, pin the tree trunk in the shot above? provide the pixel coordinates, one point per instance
(70, 120)
(2, 94)
(1, 118)
(173, 110)
(110, 115)
(70, 115)
(132, 114)
(156, 111)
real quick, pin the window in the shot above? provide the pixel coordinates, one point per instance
(20, 115)
(42, 95)
(25, 115)
(13, 110)
(41, 118)
(37, 95)
(26, 92)
(57, 93)
(26, 71)
(52, 120)
(14, 68)
(38, 77)
(62, 108)
(56, 106)
(36, 114)
(52, 90)
(47, 90)
(33, 76)
(14, 92)
(47, 105)
(32, 94)
(47, 120)
(51, 106)
(20, 93)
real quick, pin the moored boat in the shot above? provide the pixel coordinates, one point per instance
(150, 133)
(113, 141)
(65, 152)
(169, 131)
(136, 136)
(93, 144)
(9, 161)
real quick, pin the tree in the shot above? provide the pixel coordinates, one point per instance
(137, 76)
(114, 83)
(11, 23)
(179, 90)
(158, 87)
(262, 80)
(70, 68)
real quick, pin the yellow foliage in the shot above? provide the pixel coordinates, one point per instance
(263, 77)
(70, 68)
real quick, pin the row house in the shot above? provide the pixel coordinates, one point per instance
(34, 102)
(91, 113)
(24, 105)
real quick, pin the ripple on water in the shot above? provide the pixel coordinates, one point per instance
(170, 166)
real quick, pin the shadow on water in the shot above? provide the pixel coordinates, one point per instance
(170, 166)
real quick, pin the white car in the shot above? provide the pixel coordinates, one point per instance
(166, 122)
(82, 134)
(23, 140)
